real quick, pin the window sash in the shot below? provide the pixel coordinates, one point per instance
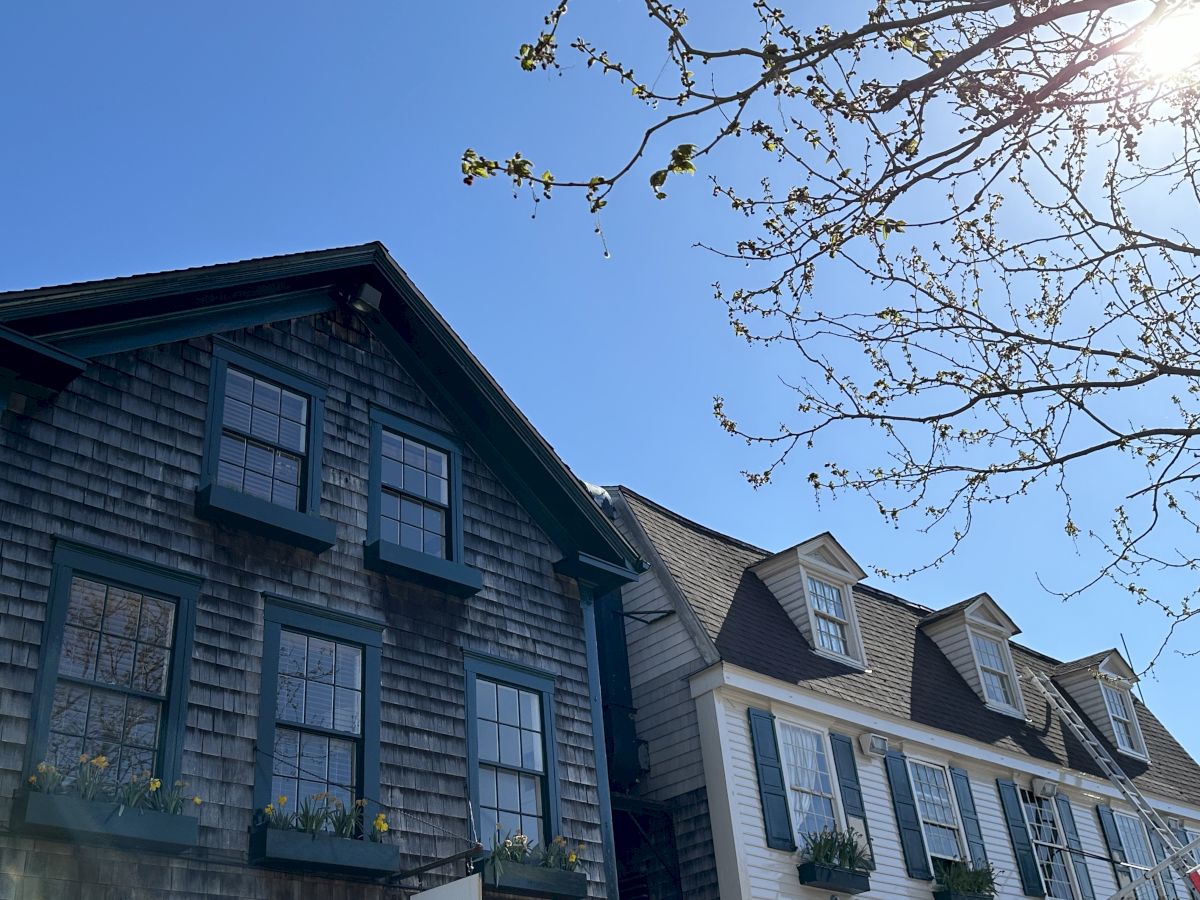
(992, 660)
(807, 768)
(937, 808)
(1140, 858)
(1121, 715)
(1055, 865)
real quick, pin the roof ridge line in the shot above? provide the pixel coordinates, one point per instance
(691, 522)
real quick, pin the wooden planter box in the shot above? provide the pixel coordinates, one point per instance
(959, 895)
(829, 878)
(100, 821)
(535, 881)
(300, 851)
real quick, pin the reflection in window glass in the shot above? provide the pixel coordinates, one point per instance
(807, 766)
(264, 439)
(319, 690)
(415, 501)
(112, 683)
(511, 742)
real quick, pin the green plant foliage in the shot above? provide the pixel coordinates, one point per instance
(966, 878)
(836, 848)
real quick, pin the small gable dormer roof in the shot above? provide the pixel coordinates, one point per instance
(1100, 686)
(980, 610)
(813, 582)
(973, 634)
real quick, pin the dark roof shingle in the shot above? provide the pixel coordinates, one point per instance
(908, 675)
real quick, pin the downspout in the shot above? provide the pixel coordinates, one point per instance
(594, 576)
(587, 601)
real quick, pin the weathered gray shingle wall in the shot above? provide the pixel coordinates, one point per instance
(114, 461)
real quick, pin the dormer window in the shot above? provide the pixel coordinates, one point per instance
(1124, 720)
(829, 616)
(995, 670)
(974, 635)
(814, 583)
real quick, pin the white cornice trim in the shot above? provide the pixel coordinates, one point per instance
(725, 677)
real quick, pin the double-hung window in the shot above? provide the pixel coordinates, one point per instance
(319, 721)
(939, 815)
(512, 772)
(262, 450)
(1049, 846)
(414, 515)
(995, 670)
(807, 768)
(1124, 720)
(831, 621)
(1139, 857)
(115, 652)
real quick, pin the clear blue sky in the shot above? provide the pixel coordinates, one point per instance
(148, 136)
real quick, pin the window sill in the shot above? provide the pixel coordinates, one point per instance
(839, 658)
(524, 880)
(300, 851)
(97, 821)
(440, 574)
(1011, 712)
(230, 507)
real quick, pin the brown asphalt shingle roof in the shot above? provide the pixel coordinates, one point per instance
(909, 676)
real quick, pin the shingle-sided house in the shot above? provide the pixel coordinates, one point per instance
(269, 529)
(776, 696)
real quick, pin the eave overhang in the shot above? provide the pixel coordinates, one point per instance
(95, 318)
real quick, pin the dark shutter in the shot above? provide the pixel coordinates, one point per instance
(1116, 850)
(771, 787)
(908, 819)
(1066, 818)
(970, 818)
(851, 791)
(1018, 834)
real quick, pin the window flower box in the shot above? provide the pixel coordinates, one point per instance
(947, 894)
(299, 850)
(525, 880)
(92, 821)
(831, 878)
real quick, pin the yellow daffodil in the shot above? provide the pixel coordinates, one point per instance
(83, 757)
(100, 762)
(269, 809)
(33, 779)
(571, 857)
(282, 800)
(155, 784)
(42, 767)
(196, 800)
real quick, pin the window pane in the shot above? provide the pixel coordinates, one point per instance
(410, 512)
(508, 790)
(531, 710)
(826, 598)
(485, 699)
(289, 701)
(236, 415)
(831, 635)
(314, 758)
(392, 473)
(531, 750)
(530, 788)
(114, 664)
(320, 660)
(69, 711)
(157, 624)
(293, 653)
(487, 786)
(292, 436)
(86, 606)
(238, 385)
(106, 719)
(293, 407)
(414, 481)
(349, 666)
(436, 463)
(437, 489)
(489, 742)
(121, 612)
(141, 722)
(79, 650)
(989, 653)
(341, 763)
(318, 704)
(508, 706)
(411, 537)
(414, 453)
(996, 688)
(287, 752)
(150, 669)
(510, 745)
(347, 710)
(266, 396)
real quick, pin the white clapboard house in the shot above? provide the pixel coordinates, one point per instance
(777, 695)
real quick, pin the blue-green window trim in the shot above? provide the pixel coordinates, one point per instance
(530, 679)
(71, 559)
(279, 613)
(450, 574)
(304, 526)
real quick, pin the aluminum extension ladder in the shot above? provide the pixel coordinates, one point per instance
(1178, 856)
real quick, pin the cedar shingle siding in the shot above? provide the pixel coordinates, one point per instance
(114, 460)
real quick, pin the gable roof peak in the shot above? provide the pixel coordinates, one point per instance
(1106, 662)
(980, 609)
(823, 550)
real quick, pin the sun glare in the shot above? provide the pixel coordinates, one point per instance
(1173, 46)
